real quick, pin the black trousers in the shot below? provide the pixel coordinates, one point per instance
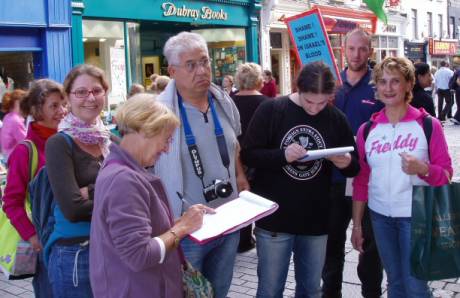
(370, 270)
(444, 95)
(457, 102)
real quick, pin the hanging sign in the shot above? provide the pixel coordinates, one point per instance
(309, 36)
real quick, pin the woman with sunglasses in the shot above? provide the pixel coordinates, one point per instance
(74, 158)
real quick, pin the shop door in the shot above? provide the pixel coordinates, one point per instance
(275, 61)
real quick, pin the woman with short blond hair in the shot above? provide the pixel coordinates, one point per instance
(134, 236)
(414, 161)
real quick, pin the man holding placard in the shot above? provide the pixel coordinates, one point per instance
(355, 99)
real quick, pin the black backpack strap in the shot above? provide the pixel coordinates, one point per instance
(367, 129)
(428, 130)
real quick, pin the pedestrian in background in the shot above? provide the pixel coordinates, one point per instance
(135, 89)
(72, 171)
(204, 109)
(356, 99)
(416, 162)
(228, 85)
(281, 132)
(45, 102)
(456, 89)
(269, 85)
(160, 83)
(442, 79)
(420, 97)
(13, 130)
(134, 238)
(249, 80)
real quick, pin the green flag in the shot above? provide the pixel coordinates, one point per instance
(376, 6)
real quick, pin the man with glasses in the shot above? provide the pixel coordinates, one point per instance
(203, 164)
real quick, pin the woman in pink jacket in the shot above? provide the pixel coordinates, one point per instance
(13, 129)
(395, 154)
(45, 102)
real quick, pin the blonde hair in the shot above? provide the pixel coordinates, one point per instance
(143, 113)
(400, 65)
(249, 76)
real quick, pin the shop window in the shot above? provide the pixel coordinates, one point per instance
(104, 46)
(227, 49)
(16, 70)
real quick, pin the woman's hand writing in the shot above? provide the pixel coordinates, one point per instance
(192, 219)
(293, 152)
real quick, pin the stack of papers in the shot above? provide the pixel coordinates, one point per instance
(233, 216)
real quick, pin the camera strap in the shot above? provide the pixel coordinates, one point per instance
(191, 141)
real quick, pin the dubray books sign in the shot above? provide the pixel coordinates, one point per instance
(308, 34)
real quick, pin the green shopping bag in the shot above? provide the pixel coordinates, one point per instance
(435, 234)
(17, 257)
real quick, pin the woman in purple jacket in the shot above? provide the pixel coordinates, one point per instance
(134, 238)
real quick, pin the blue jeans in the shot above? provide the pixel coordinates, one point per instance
(274, 252)
(392, 235)
(40, 282)
(68, 271)
(214, 259)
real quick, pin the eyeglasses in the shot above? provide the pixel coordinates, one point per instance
(191, 66)
(84, 93)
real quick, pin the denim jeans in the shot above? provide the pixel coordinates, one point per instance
(274, 251)
(40, 282)
(68, 271)
(370, 270)
(392, 235)
(214, 259)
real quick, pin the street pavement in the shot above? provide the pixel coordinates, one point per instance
(244, 282)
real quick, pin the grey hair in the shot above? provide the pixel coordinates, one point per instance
(182, 43)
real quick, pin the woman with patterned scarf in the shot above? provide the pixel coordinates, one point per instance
(73, 160)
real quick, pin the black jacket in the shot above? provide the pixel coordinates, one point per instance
(422, 99)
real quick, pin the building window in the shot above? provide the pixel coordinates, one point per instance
(384, 46)
(429, 18)
(276, 40)
(452, 27)
(414, 24)
(440, 25)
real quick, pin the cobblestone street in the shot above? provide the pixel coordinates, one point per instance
(245, 276)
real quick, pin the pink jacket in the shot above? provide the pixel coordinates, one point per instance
(17, 181)
(13, 132)
(381, 180)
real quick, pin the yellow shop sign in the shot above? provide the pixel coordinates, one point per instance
(205, 13)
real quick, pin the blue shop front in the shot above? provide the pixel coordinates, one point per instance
(126, 38)
(35, 41)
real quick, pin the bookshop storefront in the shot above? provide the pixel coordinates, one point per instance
(126, 38)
